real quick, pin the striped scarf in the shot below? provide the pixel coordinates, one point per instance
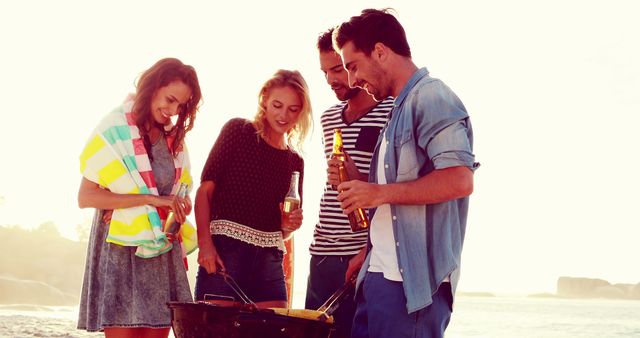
(115, 158)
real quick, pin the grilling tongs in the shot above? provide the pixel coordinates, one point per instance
(234, 286)
(324, 312)
(331, 305)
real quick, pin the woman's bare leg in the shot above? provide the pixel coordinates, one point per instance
(137, 332)
(121, 332)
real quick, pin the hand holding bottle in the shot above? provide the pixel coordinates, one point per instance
(333, 174)
(180, 208)
(290, 212)
(169, 203)
(338, 162)
(291, 221)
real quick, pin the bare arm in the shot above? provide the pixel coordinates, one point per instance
(90, 195)
(355, 263)
(207, 254)
(438, 186)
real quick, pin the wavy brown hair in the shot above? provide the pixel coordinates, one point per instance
(161, 74)
(294, 80)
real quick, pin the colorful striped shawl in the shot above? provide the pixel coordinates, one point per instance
(115, 158)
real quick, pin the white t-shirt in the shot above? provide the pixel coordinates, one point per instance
(383, 253)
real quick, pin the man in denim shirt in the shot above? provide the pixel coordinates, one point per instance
(420, 179)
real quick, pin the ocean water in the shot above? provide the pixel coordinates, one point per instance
(473, 317)
(501, 317)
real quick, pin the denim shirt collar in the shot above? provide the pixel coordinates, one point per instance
(417, 76)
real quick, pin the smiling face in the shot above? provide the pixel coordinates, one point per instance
(281, 111)
(365, 72)
(169, 101)
(336, 75)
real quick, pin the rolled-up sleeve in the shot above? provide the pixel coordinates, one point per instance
(451, 147)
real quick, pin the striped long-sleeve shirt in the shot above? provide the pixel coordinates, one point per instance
(332, 235)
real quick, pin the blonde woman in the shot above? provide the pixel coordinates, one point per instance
(238, 208)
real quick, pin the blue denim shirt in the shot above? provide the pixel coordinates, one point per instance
(429, 129)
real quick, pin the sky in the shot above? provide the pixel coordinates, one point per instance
(552, 89)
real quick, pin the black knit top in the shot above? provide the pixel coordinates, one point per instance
(251, 177)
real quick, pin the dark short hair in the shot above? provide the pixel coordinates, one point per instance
(325, 41)
(370, 27)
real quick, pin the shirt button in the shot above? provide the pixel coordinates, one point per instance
(401, 271)
(397, 243)
(386, 166)
(394, 218)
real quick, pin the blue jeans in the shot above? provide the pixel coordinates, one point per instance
(257, 270)
(382, 312)
(326, 275)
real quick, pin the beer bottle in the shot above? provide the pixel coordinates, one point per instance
(171, 226)
(338, 146)
(338, 149)
(358, 218)
(292, 200)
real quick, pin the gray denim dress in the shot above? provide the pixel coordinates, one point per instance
(123, 290)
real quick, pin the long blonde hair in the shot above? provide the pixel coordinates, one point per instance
(294, 80)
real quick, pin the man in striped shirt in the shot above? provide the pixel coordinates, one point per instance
(336, 251)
